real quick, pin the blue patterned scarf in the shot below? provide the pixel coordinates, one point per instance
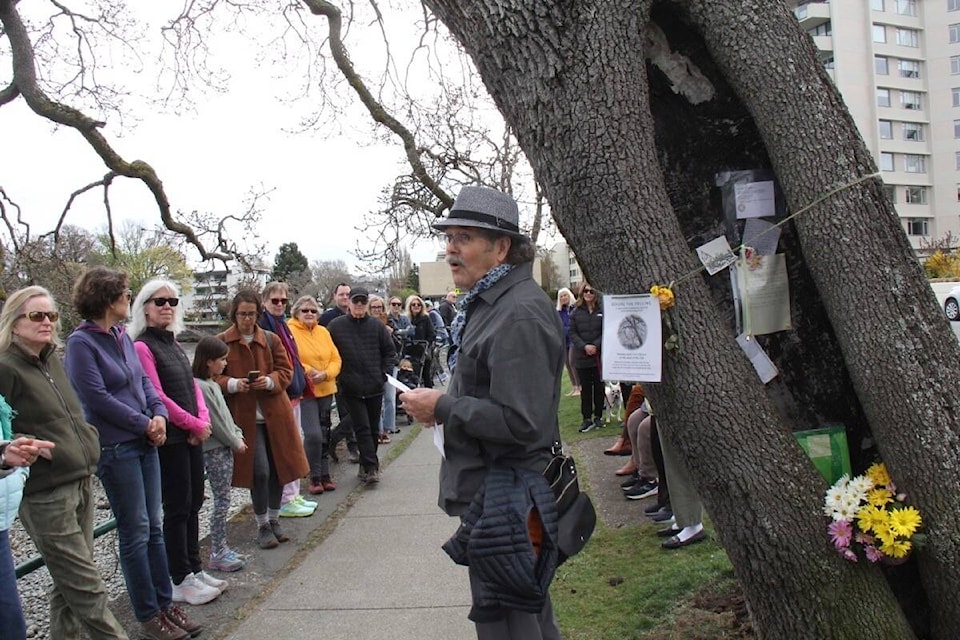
(463, 308)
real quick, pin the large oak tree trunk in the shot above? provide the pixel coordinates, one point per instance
(571, 78)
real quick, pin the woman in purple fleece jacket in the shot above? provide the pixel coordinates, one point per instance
(121, 402)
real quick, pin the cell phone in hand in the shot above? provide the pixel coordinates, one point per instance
(253, 375)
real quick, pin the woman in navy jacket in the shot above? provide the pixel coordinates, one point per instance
(586, 333)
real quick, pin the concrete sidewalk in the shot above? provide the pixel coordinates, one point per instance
(380, 573)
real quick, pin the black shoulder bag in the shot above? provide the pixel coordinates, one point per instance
(577, 517)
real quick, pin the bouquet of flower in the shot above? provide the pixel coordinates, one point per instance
(868, 514)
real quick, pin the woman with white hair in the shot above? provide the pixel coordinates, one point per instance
(156, 318)
(565, 307)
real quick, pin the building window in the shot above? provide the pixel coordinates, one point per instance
(881, 65)
(953, 5)
(822, 29)
(955, 65)
(829, 63)
(877, 5)
(907, 7)
(954, 33)
(883, 97)
(909, 68)
(886, 130)
(908, 37)
(918, 226)
(956, 128)
(912, 163)
(910, 100)
(879, 33)
(913, 131)
(915, 195)
(886, 161)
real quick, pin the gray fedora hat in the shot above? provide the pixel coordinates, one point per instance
(484, 208)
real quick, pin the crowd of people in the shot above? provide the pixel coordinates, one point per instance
(253, 409)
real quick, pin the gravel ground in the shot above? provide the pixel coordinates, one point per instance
(34, 586)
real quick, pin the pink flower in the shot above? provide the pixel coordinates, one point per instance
(841, 533)
(863, 538)
(873, 554)
(849, 555)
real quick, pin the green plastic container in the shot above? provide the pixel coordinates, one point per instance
(827, 448)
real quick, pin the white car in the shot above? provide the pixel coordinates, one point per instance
(951, 304)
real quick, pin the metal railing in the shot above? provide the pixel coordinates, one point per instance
(36, 561)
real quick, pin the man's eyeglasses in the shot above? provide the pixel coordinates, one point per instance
(162, 301)
(309, 311)
(360, 300)
(246, 314)
(282, 301)
(38, 316)
(457, 239)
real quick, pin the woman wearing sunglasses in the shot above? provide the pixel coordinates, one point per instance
(155, 319)
(121, 402)
(58, 504)
(586, 334)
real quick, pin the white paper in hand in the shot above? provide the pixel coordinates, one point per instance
(438, 439)
(396, 383)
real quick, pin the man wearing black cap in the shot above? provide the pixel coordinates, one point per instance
(368, 355)
(506, 360)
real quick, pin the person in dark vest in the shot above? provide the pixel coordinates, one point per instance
(506, 362)
(155, 319)
(344, 428)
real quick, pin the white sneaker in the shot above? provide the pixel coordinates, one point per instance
(193, 591)
(210, 581)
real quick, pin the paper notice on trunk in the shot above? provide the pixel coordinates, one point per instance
(758, 358)
(754, 199)
(716, 255)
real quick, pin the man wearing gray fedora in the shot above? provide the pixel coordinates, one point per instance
(506, 359)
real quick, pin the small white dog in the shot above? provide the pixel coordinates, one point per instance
(613, 402)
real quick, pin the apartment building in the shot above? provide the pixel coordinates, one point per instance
(897, 65)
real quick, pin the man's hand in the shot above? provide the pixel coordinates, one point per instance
(23, 452)
(421, 404)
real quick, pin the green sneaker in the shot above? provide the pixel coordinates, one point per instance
(293, 509)
(310, 504)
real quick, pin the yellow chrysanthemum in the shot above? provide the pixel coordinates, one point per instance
(885, 535)
(878, 473)
(879, 497)
(906, 521)
(871, 518)
(664, 294)
(895, 548)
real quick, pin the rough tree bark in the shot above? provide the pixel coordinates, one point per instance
(571, 78)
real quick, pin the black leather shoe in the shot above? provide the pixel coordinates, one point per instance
(669, 531)
(675, 542)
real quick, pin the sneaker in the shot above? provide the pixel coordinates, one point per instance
(226, 560)
(598, 423)
(630, 481)
(655, 508)
(664, 515)
(373, 476)
(310, 504)
(193, 591)
(328, 483)
(278, 531)
(265, 537)
(159, 627)
(353, 457)
(177, 616)
(210, 581)
(586, 426)
(362, 474)
(296, 509)
(641, 490)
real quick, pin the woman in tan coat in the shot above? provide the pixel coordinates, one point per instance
(254, 383)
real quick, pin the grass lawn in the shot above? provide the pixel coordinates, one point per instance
(623, 586)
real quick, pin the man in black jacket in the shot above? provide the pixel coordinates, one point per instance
(368, 355)
(448, 308)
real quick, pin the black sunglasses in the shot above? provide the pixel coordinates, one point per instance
(282, 301)
(396, 304)
(589, 291)
(162, 301)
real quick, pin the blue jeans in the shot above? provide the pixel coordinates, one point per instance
(11, 613)
(388, 418)
(130, 474)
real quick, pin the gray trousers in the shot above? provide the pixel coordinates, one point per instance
(518, 625)
(687, 508)
(60, 523)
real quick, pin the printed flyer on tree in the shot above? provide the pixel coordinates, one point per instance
(632, 347)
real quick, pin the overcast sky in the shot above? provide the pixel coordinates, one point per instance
(322, 183)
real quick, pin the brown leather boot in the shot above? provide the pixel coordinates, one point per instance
(627, 469)
(620, 448)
